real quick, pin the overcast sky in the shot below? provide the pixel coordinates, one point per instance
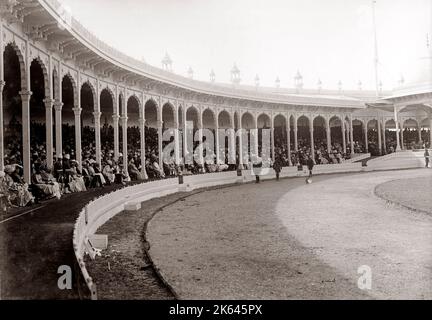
(331, 40)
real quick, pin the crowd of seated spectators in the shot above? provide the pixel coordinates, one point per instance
(321, 154)
(68, 175)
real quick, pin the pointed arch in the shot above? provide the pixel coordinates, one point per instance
(13, 46)
(87, 85)
(247, 121)
(224, 120)
(70, 78)
(168, 115)
(46, 75)
(209, 119)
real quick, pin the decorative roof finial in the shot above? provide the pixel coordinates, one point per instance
(298, 81)
(277, 82)
(167, 62)
(190, 72)
(401, 80)
(257, 81)
(212, 76)
(235, 75)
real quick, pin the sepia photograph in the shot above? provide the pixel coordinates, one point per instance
(215, 155)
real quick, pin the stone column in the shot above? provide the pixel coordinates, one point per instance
(143, 148)
(78, 152)
(116, 119)
(240, 135)
(347, 135)
(430, 131)
(200, 146)
(272, 138)
(328, 132)
(289, 141)
(25, 99)
(217, 142)
(311, 131)
(384, 139)
(97, 116)
(2, 84)
(176, 143)
(401, 126)
(185, 149)
(379, 137)
(419, 132)
(295, 135)
(58, 106)
(366, 137)
(124, 122)
(351, 134)
(49, 131)
(256, 142)
(160, 135)
(232, 149)
(395, 111)
(343, 135)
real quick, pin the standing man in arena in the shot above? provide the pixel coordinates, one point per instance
(277, 166)
(310, 165)
(426, 155)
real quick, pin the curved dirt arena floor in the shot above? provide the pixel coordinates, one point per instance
(413, 193)
(286, 239)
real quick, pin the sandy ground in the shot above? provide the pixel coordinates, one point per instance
(286, 239)
(124, 270)
(414, 193)
(348, 226)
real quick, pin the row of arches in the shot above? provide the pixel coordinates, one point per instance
(82, 122)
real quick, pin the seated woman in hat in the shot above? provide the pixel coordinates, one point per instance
(76, 183)
(44, 181)
(120, 175)
(19, 194)
(4, 191)
(155, 166)
(134, 173)
(108, 171)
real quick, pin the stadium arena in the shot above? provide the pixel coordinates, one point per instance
(84, 183)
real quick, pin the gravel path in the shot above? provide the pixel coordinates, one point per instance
(282, 240)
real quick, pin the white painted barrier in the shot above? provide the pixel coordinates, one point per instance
(398, 160)
(287, 172)
(358, 157)
(100, 210)
(338, 168)
(193, 182)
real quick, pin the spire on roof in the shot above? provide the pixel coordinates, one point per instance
(212, 76)
(167, 62)
(190, 72)
(235, 75)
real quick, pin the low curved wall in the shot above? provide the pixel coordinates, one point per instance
(100, 210)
